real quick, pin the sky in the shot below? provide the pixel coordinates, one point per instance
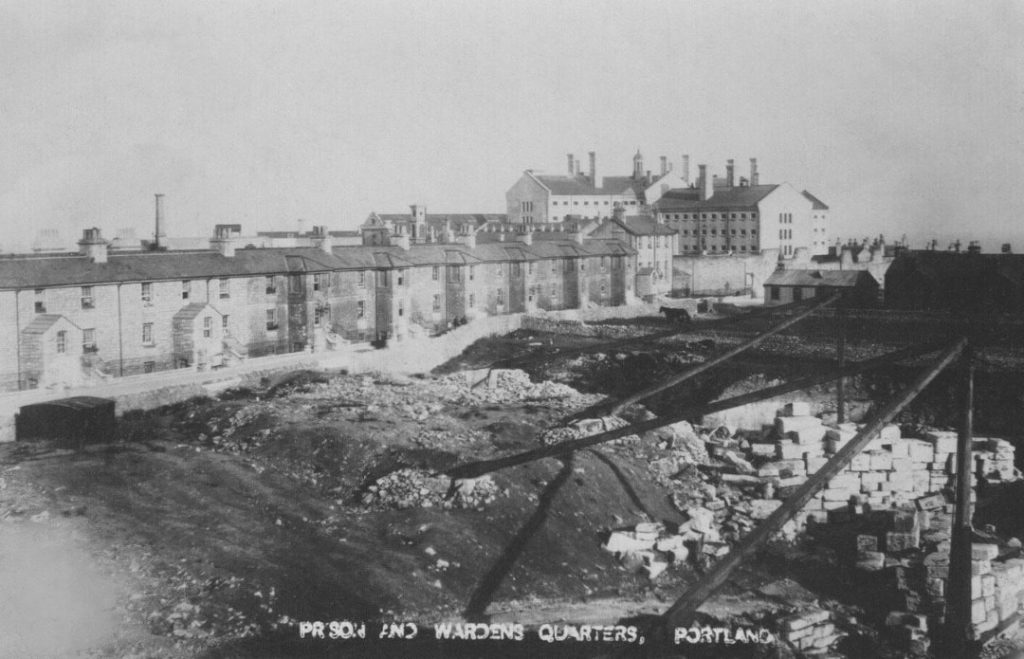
(906, 117)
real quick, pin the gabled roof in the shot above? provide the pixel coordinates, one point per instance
(189, 312)
(43, 322)
(830, 278)
(739, 197)
(817, 204)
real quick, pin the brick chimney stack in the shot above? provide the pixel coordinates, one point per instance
(572, 163)
(704, 183)
(664, 165)
(593, 169)
(753, 172)
(686, 168)
(729, 173)
(93, 245)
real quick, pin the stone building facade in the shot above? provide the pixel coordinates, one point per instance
(79, 318)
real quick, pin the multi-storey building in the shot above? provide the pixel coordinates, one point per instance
(721, 216)
(540, 198)
(71, 319)
(655, 245)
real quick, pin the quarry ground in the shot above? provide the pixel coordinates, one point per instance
(211, 528)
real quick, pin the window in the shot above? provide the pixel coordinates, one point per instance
(554, 291)
(798, 294)
(271, 320)
(271, 285)
(529, 268)
(401, 308)
(147, 292)
(148, 367)
(362, 278)
(87, 301)
(186, 289)
(437, 303)
(89, 340)
(40, 306)
(472, 300)
(319, 282)
(147, 334)
(773, 292)
(360, 309)
(224, 321)
(435, 273)
(498, 269)
(527, 206)
(501, 297)
(225, 290)
(295, 283)
(62, 341)
(604, 264)
(401, 280)
(207, 326)
(472, 272)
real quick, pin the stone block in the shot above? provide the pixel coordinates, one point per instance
(880, 460)
(889, 433)
(942, 441)
(984, 552)
(867, 543)
(762, 508)
(897, 541)
(620, 542)
(787, 424)
(871, 561)
(796, 408)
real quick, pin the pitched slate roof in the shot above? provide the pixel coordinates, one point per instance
(41, 272)
(688, 199)
(189, 312)
(43, 322)
(831, 278)
(51, 271)
(817, 204)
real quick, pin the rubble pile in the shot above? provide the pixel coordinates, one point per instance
(889, 503)
(511, 385)
(415, 488)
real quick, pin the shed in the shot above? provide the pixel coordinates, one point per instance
(858, 287)
(71, 422)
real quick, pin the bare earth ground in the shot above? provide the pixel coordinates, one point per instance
(211, 528)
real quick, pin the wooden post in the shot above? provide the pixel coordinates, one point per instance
(841, 357)
(958, 615)
(617, 407)
(681, 613)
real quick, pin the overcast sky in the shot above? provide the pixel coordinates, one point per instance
(905, 117)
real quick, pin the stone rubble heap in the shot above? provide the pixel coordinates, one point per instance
(415, 488)
(893, 493)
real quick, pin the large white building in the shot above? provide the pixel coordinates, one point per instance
(723, 216)
(538, 198)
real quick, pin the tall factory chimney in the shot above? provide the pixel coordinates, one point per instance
(161, 226)
(729, 173)
(593, 169)
(686, 169)
(753, 171)
(572, 161)
(664, 165)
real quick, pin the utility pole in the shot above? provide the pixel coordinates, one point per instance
(958, 615)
